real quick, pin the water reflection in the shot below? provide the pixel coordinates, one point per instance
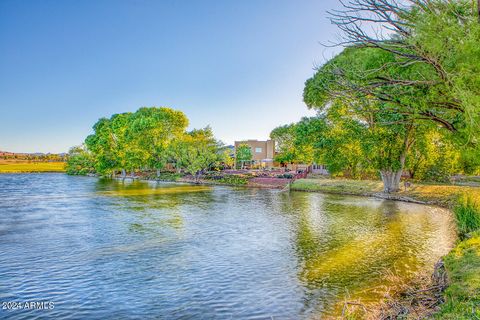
(356, 248)
(155, 204)
(183, 251)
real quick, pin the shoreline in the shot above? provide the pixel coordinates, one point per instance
(291, 187)
(377, 195)
(203, 182)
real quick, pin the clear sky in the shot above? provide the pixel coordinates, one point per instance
(239, 66)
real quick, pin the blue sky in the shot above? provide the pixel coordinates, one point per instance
(238, 66)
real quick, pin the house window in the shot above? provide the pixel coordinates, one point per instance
(258, 150)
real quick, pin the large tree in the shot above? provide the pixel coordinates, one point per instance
(151, 131)
(430, 55)
(416, 75)
(109, 144)
(384, 131)
(132, 141)
(300, 142)
(284, 136)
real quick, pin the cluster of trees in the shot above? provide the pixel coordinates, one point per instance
(405, 96)
(147, 140)
(348, 148)
(48, 157)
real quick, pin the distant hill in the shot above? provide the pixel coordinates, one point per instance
(33, 156)
(6, 153)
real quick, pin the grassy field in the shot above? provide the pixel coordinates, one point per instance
(462, 264)
(9, 166)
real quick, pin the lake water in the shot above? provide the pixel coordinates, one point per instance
(106, 249)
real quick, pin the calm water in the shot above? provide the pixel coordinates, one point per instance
(107, 249)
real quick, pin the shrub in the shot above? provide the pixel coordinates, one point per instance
(285, 176)
(234, 180)
(436, 174)
(80, 164)
(467, 214)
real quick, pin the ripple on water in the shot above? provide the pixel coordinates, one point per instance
(103, 249)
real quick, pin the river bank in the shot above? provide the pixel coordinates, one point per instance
(461, 294)
(443, 195)
(238, 178)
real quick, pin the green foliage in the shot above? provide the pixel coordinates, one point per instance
(228, 179)
(424, 77)
(103, 145)
(146, 140)
(299, 142)
(243, 153)
(196, 151)
(226, 158)
(370, 134)
(470, 160)
(467, 214)
(285, 137)
(342, 149)
(80, 161)
(427, 71)
(448, 32)
(433, 157)
(151, 132)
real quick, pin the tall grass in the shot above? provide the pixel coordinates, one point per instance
(467, 214)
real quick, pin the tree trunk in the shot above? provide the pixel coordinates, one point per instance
(158, 173)
(390, 177)
(391, 180)
(124, 173)
(197, 176)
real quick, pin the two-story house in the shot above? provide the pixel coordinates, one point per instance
(262, 152)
